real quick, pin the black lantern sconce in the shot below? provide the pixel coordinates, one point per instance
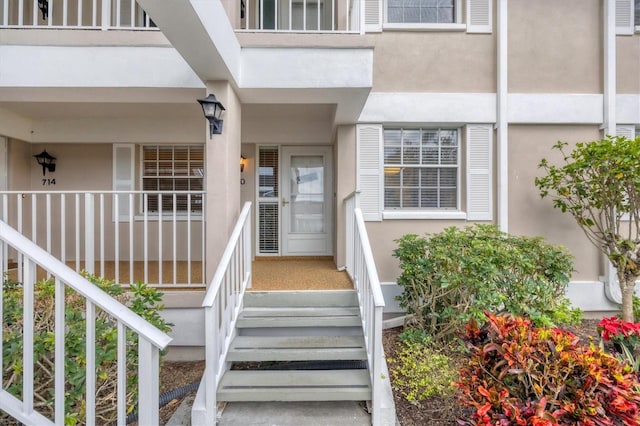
(46, 161)
(243, 162)
(212, 109)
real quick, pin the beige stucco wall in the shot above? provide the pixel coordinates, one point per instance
(20, 163)
(531, 215)
(555, 46)
(345, 183)
(291, 124)
(628, 66)
(434, 62)
(222, 175)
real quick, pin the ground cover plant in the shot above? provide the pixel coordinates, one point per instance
(143, 300)
(456, 275)
(525, 375)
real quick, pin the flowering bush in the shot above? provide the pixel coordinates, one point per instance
(621, 332)
(523, 375)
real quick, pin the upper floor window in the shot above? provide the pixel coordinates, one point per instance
(173, 168)
(421, 168)
(421, 11)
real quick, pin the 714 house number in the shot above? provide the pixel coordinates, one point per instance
(47, 182)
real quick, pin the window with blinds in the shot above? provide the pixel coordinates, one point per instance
(170, 168)
(421, 168)
(421, 11)
(268, 207)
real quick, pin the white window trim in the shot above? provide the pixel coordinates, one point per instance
(421, 214)
(458, 25)
(427, 213)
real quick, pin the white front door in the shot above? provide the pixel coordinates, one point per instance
(306, 201)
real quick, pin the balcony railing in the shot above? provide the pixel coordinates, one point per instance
(302, 15)
(80, 14)
(151, 236)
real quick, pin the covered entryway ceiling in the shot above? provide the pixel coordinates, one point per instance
(201, 33)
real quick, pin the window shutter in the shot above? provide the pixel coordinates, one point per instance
(627, 130)
(123, 177)
(369, 140)
(479, 173)
(373, 16)
(479, 16)
(624, 17)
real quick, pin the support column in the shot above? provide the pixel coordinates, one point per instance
(502, 123)
(345, 161)
(222, 179)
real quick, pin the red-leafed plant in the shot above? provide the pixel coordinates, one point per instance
(523, 375)
(619, 331)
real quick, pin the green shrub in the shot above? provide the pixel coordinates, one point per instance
(519, 374)
(419, 371)
(453, 276)
(143, 300)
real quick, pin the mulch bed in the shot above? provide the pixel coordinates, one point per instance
(436, 411)
(443, 411)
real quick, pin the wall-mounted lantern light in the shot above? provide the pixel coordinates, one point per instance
(243, 162)
(212, 109)
(46, 161)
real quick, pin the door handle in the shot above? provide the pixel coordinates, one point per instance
(284, 202)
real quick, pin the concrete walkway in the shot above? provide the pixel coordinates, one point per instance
(334, 413)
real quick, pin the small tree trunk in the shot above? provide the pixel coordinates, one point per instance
(627, 288)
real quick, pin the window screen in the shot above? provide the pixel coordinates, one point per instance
(169, 168)
(421, 168)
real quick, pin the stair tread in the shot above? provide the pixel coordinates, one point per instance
(300, 312)
(298, 321)
(297, 348)
(299, 379)
(297, 342)
(301, 298)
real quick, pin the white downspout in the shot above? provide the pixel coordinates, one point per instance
(502, 120)
(611, 286)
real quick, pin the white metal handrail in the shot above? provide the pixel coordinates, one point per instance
(150, 339)
(76, 14)
(362, 270)
(99, 228)
(222, 304)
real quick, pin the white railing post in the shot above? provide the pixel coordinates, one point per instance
(105, 22)
(211, 357)
(89, 233)
(148, 382)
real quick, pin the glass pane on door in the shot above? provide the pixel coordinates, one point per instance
(307, 194)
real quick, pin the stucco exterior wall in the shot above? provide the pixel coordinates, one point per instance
(555, 46)
(531, 215)
(434, 62)
(628, 64)
(19, 161)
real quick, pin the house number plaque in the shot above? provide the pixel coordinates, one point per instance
(48, 182)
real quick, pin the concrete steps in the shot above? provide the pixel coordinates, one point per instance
(297, 346)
